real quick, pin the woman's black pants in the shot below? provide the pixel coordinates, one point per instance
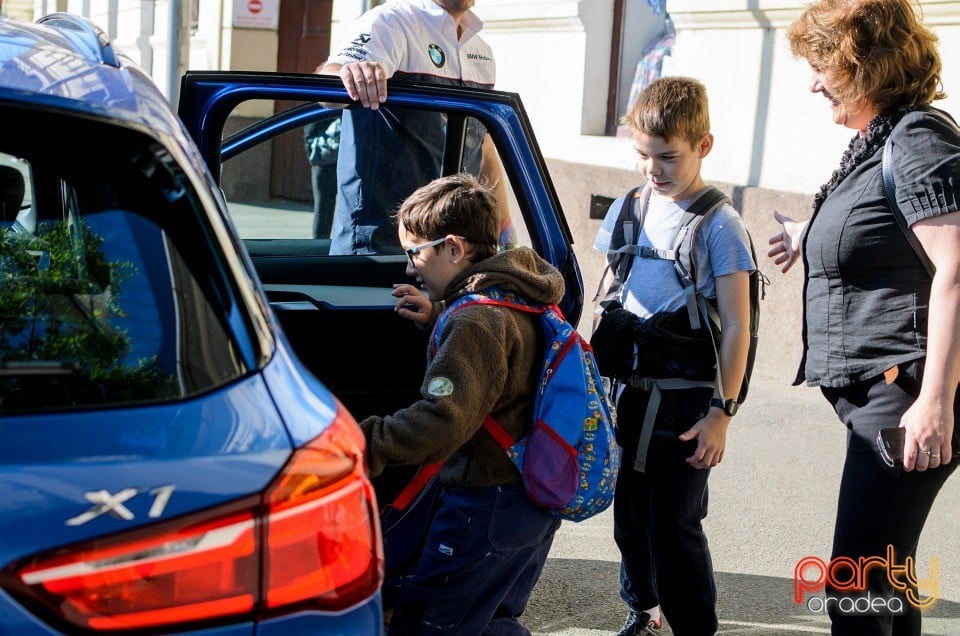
(880, 514)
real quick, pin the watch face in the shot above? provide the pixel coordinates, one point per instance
(728, 406)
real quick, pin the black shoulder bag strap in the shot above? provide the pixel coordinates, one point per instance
(890, 191)
(685, 266)
(711, 199)
(623, 241)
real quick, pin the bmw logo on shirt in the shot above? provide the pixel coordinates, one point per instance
(436, 55)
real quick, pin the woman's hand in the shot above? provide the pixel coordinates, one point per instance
(786, 243)
(929, 435)
(412, 304)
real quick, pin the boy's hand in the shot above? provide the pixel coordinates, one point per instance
(711, 435)
(412, 304)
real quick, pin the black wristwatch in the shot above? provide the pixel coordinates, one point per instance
(727, 406)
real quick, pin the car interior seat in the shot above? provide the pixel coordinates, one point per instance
(12, 190)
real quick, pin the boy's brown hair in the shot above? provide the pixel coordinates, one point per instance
(456, 204)
(671, 107)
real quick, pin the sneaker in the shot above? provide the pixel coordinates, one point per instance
(639, 624)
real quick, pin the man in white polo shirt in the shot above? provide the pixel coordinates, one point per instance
(385, 154)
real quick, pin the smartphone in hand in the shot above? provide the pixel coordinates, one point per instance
(890, 441)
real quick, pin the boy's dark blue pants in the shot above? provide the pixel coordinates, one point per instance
(484, 553)
(657, 514)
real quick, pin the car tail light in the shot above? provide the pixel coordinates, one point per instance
(311, 540)
(323, 536)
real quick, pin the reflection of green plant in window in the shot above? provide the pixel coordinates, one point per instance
(58, 346)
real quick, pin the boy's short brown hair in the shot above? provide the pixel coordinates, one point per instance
(456, 204)
(671, 107)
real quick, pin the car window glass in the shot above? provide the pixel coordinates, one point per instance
(333, 181)
(106, 295)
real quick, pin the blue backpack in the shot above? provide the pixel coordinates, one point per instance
(570, 458)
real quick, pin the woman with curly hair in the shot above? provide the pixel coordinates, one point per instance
(881, 337)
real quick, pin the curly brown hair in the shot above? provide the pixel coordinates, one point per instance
(456, 204)
(870, 51)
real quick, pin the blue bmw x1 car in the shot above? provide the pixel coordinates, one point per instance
(174, 327)
(167, 464)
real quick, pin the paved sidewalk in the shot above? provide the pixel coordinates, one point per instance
(771, 504)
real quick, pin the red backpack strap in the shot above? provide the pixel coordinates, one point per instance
(493, 427)
(498, 433)
(479, 299)
(416, 485)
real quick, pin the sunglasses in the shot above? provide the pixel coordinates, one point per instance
(413, 251)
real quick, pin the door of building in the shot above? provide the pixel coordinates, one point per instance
(303, 44)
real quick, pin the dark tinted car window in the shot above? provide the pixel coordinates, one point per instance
(109, 292)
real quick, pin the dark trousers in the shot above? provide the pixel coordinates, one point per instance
(484, 553)
(657, 515)
(879, 506)
(324, 180)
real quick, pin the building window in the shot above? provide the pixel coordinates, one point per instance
(642, 37)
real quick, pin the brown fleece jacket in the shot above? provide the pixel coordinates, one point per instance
(487, 362)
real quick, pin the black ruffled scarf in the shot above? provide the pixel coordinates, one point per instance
(859, 150)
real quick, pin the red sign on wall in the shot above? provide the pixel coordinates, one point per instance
(256, 14)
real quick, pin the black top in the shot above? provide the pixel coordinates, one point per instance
(866, 294)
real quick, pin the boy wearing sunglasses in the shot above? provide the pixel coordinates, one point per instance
(487, 543)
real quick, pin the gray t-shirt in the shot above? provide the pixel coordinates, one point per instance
(722, 247)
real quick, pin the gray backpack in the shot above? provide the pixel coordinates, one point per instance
(700, 310)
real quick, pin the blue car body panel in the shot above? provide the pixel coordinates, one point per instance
(206, 450)
(302, 401)
(217, 449)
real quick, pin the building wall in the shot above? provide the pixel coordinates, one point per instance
(19, 9)
(771, 132)
(775, 142)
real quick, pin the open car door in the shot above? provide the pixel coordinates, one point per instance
(336, 308)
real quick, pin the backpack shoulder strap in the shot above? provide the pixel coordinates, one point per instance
(685, 262)
(890, 192)
(686, 268)
(632, 212)
(490, 296)
(623, 241)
